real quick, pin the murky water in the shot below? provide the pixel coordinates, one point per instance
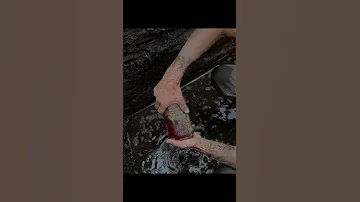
(145, 133)
(170, 160)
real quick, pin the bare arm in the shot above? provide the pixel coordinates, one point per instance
(168, 91)
(224, 153)
(197, 44)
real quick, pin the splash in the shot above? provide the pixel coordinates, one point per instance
(168, 159)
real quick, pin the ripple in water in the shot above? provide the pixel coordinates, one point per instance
(168, 159)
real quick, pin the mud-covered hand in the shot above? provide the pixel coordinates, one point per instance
(168, 92)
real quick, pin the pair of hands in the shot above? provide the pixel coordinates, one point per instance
(168, 93)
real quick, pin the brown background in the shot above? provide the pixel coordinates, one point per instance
(298, 88)
(61, 101)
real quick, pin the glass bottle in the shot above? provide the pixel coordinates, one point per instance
(178, 123)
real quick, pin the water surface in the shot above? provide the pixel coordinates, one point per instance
(145, 133)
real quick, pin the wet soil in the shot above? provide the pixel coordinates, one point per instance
(145, 150)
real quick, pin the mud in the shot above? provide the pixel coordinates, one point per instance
(145, 133)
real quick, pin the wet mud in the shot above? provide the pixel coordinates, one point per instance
(145, 150)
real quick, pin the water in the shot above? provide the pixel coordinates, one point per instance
(168, 159)
(145, 133)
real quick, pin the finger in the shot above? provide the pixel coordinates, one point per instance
(180, 144)
(161, 109)
(157, 104)
(183, 106)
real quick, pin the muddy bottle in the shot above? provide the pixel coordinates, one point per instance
(178, 123)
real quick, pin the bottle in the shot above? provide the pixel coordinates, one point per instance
(178, 123)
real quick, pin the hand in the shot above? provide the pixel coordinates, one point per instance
(187, 144)
(168, 92)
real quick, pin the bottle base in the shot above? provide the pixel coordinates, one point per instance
(183, 138)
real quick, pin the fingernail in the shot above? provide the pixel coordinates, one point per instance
(187, 111)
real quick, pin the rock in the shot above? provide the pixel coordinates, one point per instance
(147, 54)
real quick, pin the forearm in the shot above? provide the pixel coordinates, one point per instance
(224, 153)
(198, 43)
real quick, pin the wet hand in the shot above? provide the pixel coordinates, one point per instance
(167, 93)
(187, 144)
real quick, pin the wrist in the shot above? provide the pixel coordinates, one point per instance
(172, 76)
(201, 145)
(176, 70)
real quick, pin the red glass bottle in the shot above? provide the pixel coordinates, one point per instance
(178, 123)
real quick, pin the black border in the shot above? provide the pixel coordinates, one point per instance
(175, 14)
(187, 187)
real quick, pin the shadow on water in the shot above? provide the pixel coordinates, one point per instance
(145, 150)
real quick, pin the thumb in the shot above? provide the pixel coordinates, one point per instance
(172, 141)
(183, 106)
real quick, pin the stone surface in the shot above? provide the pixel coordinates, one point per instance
(147, 54)
(145, 133)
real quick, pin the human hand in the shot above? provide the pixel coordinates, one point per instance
(168, 92)
(188, 143)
